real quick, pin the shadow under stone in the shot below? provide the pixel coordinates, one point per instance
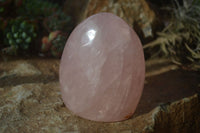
(166, 88)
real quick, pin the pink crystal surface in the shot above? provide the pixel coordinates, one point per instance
(102, 69)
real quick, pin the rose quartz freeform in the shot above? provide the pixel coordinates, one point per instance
(102, 69)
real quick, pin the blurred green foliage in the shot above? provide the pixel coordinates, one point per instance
(19, 34)
(37, 8)
(22, 20)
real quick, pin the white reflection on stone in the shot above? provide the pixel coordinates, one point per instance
(91, 35)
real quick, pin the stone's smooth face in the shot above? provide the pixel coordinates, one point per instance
(102, 69)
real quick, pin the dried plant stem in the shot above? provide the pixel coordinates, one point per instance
(161, 70)
(152, 62)
(167, 38)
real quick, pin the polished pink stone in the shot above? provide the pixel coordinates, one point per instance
(102, 69)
